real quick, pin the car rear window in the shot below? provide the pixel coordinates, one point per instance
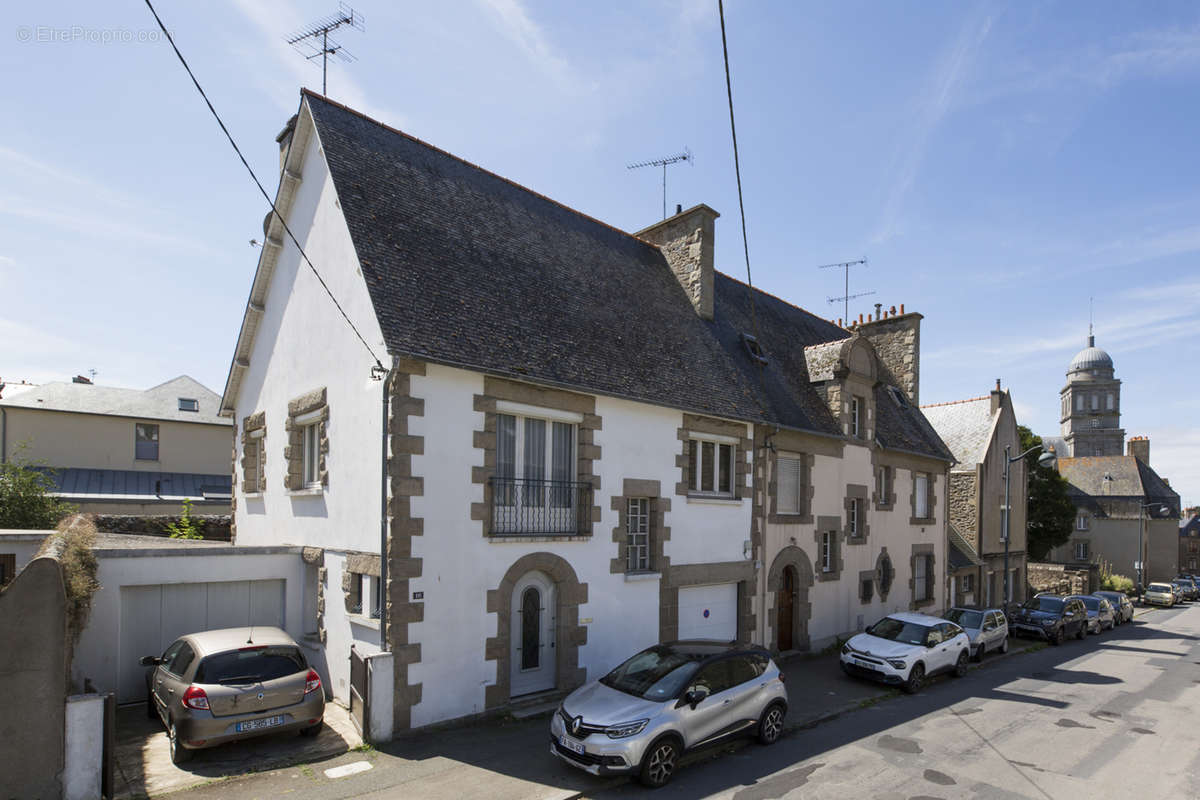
(1093, 603)
(965, 617)
(251, 665)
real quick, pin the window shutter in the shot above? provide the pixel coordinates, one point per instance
(789, 483)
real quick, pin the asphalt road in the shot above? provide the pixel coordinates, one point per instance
(1113, 716)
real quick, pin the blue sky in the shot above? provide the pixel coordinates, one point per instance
(999, 165)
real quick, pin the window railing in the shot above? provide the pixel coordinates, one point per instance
(531, 506)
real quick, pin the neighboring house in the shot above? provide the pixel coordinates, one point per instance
(977, 431)
(964, 571)
(1189, 545)
(124, 451)
(586, 441)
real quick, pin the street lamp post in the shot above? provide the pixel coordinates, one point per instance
(1048, 460)
(1161, 508)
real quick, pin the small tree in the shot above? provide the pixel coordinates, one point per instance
(26, 499)
(1051, 511)
(185, 528)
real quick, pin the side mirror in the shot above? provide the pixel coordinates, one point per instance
(149, 661)
(696, 696)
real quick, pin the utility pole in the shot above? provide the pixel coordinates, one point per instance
(686, 155)
(847, 297)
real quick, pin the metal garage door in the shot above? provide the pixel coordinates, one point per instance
(708, 612)
(154, 616)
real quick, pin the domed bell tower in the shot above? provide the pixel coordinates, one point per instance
(1091, 405)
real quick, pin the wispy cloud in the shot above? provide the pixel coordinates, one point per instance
(931, 108)
(515, 22)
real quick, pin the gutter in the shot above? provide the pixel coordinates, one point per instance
(383, 506)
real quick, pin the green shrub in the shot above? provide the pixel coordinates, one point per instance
(185, 528)
(1116, 583)
(26, 501)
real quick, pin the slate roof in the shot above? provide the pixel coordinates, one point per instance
(158, 402)
(468, 269)
(1116, 476)
(961, 555)
(119, 484)
(966, 428)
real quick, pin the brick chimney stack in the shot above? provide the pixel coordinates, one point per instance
(1139, 448)
(686, 241)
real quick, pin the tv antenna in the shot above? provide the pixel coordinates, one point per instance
(847, 297)
(93, 372)
(686, 155)
(313, 41)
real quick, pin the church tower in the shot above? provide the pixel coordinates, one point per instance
(1091, 405)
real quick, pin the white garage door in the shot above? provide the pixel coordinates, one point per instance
(708, 612)
(154, 616)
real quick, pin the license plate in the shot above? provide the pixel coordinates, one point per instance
(574, 747)
(257, 724)
(866, 664)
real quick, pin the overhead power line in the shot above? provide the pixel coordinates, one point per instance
(258, 183)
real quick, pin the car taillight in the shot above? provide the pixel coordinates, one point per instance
(195, 698)
(312, 681)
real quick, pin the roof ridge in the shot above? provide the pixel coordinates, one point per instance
(957, 402)
(485, 171)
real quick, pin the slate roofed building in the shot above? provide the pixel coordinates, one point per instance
(586, 440)
(1189, 545)
(124, 451)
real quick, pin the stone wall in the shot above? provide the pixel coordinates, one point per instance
(1062, 579)
(687, 241)
(964, 506)
(897, 341)
(211, 526)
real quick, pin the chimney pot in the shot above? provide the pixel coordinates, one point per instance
(840, 325)
(902, 308)
(678, 208)
(879, 311)
(997, 384)
(860, 319)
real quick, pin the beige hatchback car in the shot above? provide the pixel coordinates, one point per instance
(214, 687)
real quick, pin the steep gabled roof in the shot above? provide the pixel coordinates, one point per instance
(965, 426)
(158, 402)
(1116, 476)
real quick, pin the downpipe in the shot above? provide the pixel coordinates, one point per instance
(385, 408)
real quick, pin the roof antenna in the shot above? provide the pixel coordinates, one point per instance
(314, 40)
(847, 297)
(686, 155)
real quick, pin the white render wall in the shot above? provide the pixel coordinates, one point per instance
(344, 630)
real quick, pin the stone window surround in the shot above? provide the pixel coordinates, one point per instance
(676, 576)
(587, 451)
(804, 517)
(694, 424)
(833, 526)
(254, 436)
(795, 557)
(923, 551)
(884, 562)
(866, 586)
(307, 409)
(358, 564)
(889, 502)
(570, 635)
(931, 483)
(855, 491)
(659, 532)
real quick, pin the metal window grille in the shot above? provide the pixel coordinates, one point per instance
(637, 528)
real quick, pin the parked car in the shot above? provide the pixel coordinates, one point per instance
(1122, 606)
(219, 686)
(1099, 611)
(987, 628)
(1159, 594)
(1051, 617)
(1176, 590)
(1188, 587)
(666, 700)
(905, 648)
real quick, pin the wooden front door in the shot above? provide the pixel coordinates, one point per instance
(784, 609)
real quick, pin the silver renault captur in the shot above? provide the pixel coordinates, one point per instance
(666, 700)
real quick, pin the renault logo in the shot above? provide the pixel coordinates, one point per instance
(576, 724)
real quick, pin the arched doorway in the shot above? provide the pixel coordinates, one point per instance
(533, 661)
(785, 609)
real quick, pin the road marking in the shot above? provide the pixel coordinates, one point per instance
(347, 769)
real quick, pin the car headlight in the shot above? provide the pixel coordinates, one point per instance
(847, 649)
(898, 663)
(626, 729)
(1049, 623)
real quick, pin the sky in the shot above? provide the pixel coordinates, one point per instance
(1005, 168)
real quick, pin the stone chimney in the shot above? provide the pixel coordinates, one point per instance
(285, 140)
(686, 241)
(997, 397)
(1139, 448)
(897, 341)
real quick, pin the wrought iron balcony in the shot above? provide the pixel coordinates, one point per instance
(524, 506)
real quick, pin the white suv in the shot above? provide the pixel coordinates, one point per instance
(905, 648)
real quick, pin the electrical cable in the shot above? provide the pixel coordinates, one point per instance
(258, 183)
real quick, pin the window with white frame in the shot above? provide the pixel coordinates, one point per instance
(1081, 522)
(883, 486)
(921, 574)
(855, 514)
(828, 546)
(921, 495)
(711, 465)
(789, 485)
(311, 446)
(535, 461)
(857, 429)
(1081, 551)
(637, 532)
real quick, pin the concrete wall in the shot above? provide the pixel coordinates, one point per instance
(22, 544)
(96, 441)
(84, 746)
(1115, 541)
(33, 681)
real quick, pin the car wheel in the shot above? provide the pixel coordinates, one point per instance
(916, 676)
(658, 765)
(770, 727)
(1059, 637)
(151, 711)
(1004, 645)
(960, 666)
(1083, 631)
(979, 652)
(179, 753)
(311, 730)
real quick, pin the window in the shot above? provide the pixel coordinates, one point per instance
(921, 495)
(1095, 423)
(375, 599)
(8, 567)
(1081, 522)
(855, 520)
(189, 404)
(790, 485)
(1081, 551)
(355, 600)
(167, 661)
(145, 441)
(183, 659)
(828, 545)
(1193, 547)
(883, 486)
(1095, 402)
(866, 590)
(922, 579)
(637, 529)
(1079, 402)
(254, 469)
(1109, 402)
(535, 486)
(754, 348)
(710, 466)
(966, 583)
(312, 454)
(856, 411)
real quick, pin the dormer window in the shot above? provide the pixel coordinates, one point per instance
(754, 348)
(189, 404)
(857, 407)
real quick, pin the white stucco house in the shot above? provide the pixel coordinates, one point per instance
(524, 444)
